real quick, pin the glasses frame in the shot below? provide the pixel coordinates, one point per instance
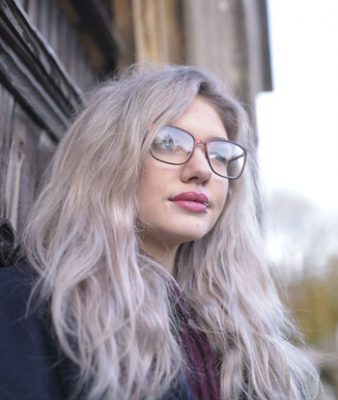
(206, 151)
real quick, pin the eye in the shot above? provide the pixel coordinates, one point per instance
(218, 158)
(164, 141)
(168, 142)
(172, 145)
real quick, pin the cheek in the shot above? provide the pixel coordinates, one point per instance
(221, 194)
(220, 201)
(148, 191)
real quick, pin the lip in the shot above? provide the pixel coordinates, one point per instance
(192, 201)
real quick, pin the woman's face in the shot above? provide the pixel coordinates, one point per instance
(180, 203)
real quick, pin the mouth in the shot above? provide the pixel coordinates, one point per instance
(192, 201)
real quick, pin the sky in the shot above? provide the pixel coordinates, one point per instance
(298, 121)
(298, 137)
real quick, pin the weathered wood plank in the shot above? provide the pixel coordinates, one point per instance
(123, 16)
(6, 121)
(22, 162)
(97, 19)
(27, 133)
(158, 31)
(33, 72)
(53, 26)
(74, 45)
(32, 9)
(24, 153)
(43, 22)
(45, 149)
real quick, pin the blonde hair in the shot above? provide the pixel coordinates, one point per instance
(110, 304)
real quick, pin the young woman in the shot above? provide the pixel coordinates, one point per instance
(149, 274)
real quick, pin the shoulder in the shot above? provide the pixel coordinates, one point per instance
(16, 283)
(27, 352)
(15, 286)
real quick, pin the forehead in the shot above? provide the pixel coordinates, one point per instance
(202, 119)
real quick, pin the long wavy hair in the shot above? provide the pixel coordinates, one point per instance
(110, 303)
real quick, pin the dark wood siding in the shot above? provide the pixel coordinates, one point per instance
(47, 62)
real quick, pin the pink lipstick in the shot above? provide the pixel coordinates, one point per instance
(192, 201)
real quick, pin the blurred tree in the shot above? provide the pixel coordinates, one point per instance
(302, 246)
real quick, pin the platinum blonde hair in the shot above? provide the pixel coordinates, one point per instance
(110, 304)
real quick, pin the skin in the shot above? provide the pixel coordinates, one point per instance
(165, 224)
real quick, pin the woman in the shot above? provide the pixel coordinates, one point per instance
(146, 247)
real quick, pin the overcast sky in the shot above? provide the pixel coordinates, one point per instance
(298, 121)
(298, 134)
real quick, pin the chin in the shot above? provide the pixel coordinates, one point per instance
(185, 237)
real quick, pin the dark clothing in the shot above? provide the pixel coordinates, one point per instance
(203, 374)
(31, 364)
(29, 367)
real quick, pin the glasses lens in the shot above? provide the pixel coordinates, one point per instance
(172, 145)
(226, 159)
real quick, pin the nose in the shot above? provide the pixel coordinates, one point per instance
(197, 168)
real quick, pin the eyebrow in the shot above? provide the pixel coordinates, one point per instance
(194, 136)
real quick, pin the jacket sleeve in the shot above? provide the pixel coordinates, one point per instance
(28, 357)
(31, 367)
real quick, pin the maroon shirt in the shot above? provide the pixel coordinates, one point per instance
(203, 366)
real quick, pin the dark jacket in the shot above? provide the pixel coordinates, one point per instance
(31, 364)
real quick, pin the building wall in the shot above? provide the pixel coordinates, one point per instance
(230, 37)
(46, 63)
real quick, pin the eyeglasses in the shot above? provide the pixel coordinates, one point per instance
(176, 146)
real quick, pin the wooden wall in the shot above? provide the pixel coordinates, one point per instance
(48, 58)
(158, 31)
(230, 37)
(59, 31)
(24, 149)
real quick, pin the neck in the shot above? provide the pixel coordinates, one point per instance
(163, 254)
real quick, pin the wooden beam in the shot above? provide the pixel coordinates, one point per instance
(123, 19)
(31, 71)
(158, 31)
(96, 20)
